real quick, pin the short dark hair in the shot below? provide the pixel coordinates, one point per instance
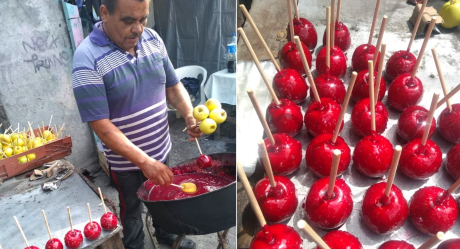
(112, 4)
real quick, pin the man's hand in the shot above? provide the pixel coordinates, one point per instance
(193, 130)
(157, 172)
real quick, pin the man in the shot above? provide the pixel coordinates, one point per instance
(121, 79)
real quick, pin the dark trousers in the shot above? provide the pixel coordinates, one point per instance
(131, 207)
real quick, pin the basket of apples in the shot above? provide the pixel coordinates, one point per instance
(31, 148)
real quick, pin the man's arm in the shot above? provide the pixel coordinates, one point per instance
(154, 170)
(178, 97)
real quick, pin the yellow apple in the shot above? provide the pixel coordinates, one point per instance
(200, 112)
(22, 159)
(18, 142)
(38, 142)
(212, 104)
(219, 115)
(6, 139)
(208, 126)
(24, 148)
(31, 156)
(451, 14)
(50, 137)
(46, 133)
(8, 152)
(30, 143)
(17, 150)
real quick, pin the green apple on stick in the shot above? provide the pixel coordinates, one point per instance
(450, 12)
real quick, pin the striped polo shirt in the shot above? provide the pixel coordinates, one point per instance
(109, 82)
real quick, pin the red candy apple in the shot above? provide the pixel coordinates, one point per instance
(395, 244)
(420, 162)
(109, 221)
(204, 161)
(361, 118)
(319, 154)
(329, 86)
(401, 62)
(92, 230)
(341, 240)
(322, 117)
(276, 236)
(286, 155)
(373, 155)
(361, 88)
(433, 210)
(289, 57)
(450, 244)
(412, 122)
(383, 214)
(54, 244)
(342, 37)
(289, 84)
(338, 62)
(453, 161)
(285, 117)
(364, 53)
(73, 239)
(279, 203)
(325, 212)
(306, 32)
(405, 91)
(449, 124)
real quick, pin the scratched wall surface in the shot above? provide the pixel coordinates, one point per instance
(35, 72)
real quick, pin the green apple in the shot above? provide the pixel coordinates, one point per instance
(200, 112)
(30, 143)
(8, 152)
(46, 133)
(31, 156)
(18, 142)
(38, 142)
(14, 136)
(50, 137)
(24, 148)
(212, 104)
(6, 139)
(219, 115)
(450, 14)
(22, 159)
(17, 150)
(208, 126)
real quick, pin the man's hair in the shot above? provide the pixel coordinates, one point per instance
(112, 4)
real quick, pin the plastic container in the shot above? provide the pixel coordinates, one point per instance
(231, 50)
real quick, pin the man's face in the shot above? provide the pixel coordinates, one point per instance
(126, 24)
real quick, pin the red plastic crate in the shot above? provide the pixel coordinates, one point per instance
(48, 152)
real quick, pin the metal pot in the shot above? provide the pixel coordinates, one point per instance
(203, 214)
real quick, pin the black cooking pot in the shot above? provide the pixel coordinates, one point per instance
(203, 214)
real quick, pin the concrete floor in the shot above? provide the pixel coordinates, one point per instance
(183, 150)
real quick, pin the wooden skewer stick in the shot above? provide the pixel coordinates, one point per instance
(70, 219)
(451, 2)
(429, 117)
(339, 5)
(47, 225)
(448, 96)
(432, 241)
(425, 42)
(266, 161)
(198, 145)
(379, 40)
(291, 23)
(259, 67)
(379, 72)
(252, 199)
(371, 94)
(344, 107)
(307, 69)
(32, 134)
(297, 16)
(454, 187)
(333, 176)
(332, 24)
(89, 214)
(394, 166)
(328, 37)
(102, 198)
(374, 20)
(441, 77)
(20, 229)
(49, 125)
(7, 130)
(267, 50)
(260, 114)
(419, 17)
(301, 224)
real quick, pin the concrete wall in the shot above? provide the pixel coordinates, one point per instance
(35, 72)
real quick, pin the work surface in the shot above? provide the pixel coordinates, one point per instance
(27, 205)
